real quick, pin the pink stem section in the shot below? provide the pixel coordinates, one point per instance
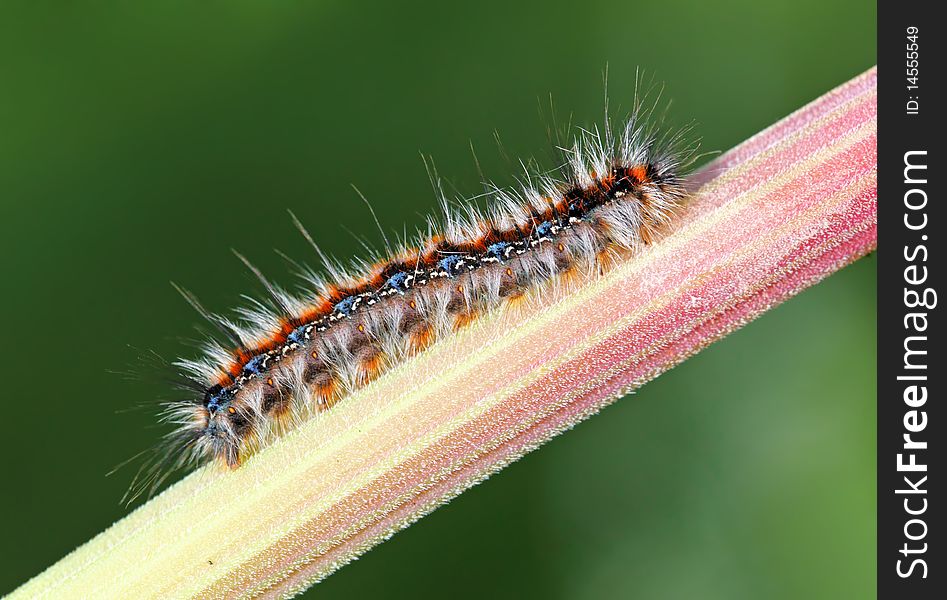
(709, 300)
(768, 219)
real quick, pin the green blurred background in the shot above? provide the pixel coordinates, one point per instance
(140, 141)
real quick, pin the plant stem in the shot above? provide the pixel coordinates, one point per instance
(768, 219)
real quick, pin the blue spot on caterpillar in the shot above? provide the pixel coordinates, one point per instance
(497, 251)
(345, 306)
(449, 264)
(399, 282)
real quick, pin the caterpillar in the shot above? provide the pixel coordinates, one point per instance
(291, 356)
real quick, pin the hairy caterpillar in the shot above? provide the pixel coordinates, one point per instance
(284, 360)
